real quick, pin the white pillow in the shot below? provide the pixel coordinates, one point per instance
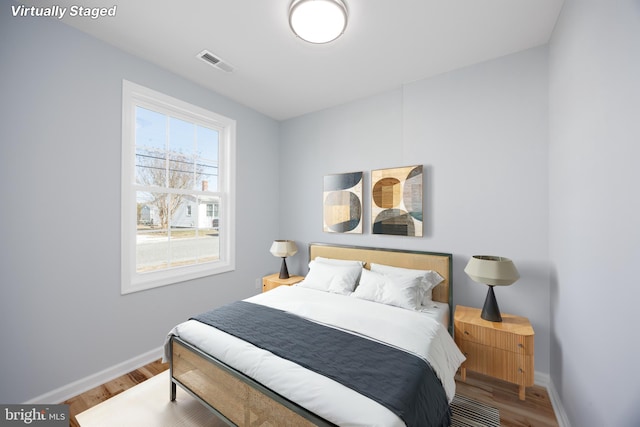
(429, 279)
(399, 291)
(339, 279)
(336, 261)
(370, 286)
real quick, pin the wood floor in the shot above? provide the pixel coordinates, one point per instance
(535, 411)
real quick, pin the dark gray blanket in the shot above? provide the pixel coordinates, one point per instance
(402, 382)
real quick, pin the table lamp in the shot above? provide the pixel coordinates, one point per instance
(283, 249)
(492, 271)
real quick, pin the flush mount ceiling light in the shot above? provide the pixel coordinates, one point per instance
(318, 21)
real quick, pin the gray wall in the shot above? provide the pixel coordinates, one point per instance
(482, 135)
(61, 311)
(595, 210)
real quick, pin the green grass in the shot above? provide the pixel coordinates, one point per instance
(178, 233)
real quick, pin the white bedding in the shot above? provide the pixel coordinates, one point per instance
(439, 311)
(417, 332)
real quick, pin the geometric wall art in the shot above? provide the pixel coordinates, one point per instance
(342, 203)
(396, 201)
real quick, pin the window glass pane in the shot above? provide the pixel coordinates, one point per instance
(151, 129)
(151, 140)
(207, 160)
(150, 167)
(183, 213)
(182, 137)
(207, 176)
(208, 143)
(181, 154)
(208, 230)
(180, 173)
(152, 237)
(193, 239)
(183, 250)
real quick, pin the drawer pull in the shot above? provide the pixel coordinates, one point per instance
(520, 345)
(520, 370)
(466, 332)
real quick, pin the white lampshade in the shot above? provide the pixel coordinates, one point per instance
(283, 248)
(492, 270)
(318, 21)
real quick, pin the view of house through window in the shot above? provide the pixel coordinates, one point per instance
(178, 163)
(176, 225)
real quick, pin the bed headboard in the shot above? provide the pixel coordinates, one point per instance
(440, 262)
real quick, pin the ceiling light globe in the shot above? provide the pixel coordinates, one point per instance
(318, 21)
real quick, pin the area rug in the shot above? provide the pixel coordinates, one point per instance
(148, 405)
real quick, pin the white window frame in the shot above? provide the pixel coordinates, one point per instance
(134, 95)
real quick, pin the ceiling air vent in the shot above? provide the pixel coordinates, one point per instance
(215, 61)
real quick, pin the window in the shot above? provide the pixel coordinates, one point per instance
(178, 164)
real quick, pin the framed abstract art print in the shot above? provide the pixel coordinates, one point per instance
(342, 203)
(396, 201)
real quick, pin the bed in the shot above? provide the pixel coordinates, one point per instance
(245, 382)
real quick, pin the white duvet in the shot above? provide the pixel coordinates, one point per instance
(416, 332)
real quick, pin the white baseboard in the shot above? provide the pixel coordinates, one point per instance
(544, 380)
(77, 387)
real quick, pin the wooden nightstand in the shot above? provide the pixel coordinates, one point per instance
(273, 281)
(500, 349)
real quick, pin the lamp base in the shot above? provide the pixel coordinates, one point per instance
(490, 311)
(284, 272)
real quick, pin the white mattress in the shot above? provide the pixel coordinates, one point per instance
(421, 333)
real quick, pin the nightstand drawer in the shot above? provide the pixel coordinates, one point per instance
(506, 365)
(521, 344)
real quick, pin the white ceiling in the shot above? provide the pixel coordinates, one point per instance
(387, 43)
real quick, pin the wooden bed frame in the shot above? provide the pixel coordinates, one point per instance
(239, 400)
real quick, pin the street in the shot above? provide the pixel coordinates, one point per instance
(152, 252)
